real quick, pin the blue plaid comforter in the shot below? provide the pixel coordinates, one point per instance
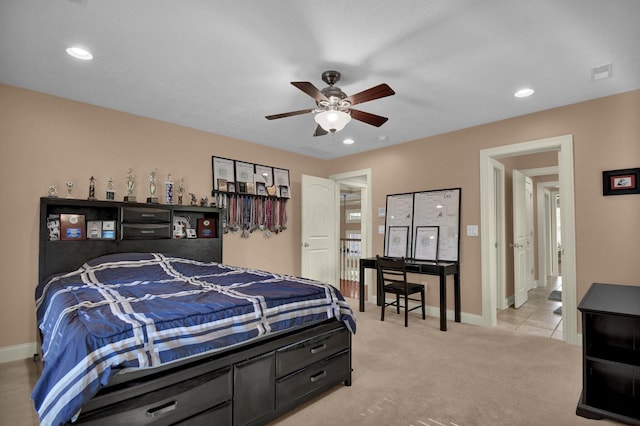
(142, 310)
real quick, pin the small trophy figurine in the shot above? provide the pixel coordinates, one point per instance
(131, 181)
(69, 189)
(152, 188)
(111, 194)
(52, 191)
(168, 190)
(180, 190)
(92, 188)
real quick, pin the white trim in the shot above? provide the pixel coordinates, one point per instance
(544, 201)
(541, 171)
(361, 179)
(498, 252)
(564, 146)
(17, 352)
(434, 311)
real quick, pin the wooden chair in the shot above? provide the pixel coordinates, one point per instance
(392, 278)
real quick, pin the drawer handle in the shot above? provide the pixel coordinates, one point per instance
(317, 349)
(318, 376)
(147, 215)
(164, 408)
(142, 231)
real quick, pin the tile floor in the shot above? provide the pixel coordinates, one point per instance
(536, 315)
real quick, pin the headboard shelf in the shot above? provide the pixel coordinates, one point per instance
(158, 235)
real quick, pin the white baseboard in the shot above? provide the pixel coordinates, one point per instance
(433, 311)
(17, 352)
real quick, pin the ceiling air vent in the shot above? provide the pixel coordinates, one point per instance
(601, 72)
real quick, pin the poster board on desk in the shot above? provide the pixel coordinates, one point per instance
(440, 208)
(417, 210)
(399, 215)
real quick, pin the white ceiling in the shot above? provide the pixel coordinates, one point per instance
(222, 66)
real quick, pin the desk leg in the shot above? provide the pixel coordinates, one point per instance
(361, 287)
(443, 302)
(456, 290)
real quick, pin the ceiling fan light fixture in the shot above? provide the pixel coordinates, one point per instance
(332, 121)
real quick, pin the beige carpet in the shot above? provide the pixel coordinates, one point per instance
(469, 375)
(417, 376)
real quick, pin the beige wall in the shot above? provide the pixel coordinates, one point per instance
(606, 135)
(46, 140)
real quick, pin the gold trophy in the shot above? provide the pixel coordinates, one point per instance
(131, 182)
(153, 185)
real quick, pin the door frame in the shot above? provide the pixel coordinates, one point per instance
(546, 207)
(362, 180)
(564, 147)
(498, 233)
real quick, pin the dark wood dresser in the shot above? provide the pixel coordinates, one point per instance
(611, 353)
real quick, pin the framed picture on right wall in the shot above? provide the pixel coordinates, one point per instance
(621, 182)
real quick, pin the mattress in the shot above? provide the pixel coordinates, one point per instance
(135, 311)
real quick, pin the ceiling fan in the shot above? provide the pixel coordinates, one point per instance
(333, 107)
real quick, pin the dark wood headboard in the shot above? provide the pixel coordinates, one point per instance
(138, 228)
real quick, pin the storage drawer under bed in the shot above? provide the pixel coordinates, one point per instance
(220, 415)
(175, 403)
(301, 354)
(312, 378)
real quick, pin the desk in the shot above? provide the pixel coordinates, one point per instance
(441, 269)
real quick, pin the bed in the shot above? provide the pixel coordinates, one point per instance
(151, 337)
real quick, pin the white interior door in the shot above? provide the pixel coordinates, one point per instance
(319, 229)
(555, 231)
(522, 237)
(497, 231)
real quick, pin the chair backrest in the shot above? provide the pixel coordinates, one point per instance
(391, 269)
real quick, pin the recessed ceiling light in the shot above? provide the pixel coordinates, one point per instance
(80, 53)
(348, 141)
(523, 93)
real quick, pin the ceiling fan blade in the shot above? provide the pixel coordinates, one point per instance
(320, 131)
(377, 92)
(289, 114)
(367, 117)
(310, 90)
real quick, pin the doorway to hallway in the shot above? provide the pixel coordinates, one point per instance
(493, 249)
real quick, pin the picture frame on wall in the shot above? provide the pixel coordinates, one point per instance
(223, 168)
(264, 174)
(251, 188)
(621, 182)
(244, 172)
(281, 179)
(261, 189)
